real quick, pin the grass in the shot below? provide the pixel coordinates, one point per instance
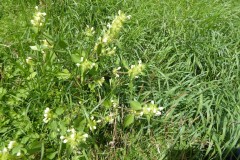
(191, 52)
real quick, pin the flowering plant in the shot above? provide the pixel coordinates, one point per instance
(71, 123)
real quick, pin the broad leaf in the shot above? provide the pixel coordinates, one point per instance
(52, 155)
(135, 105)
(76, 58)
(59, 111)
(64, 75)
(129, 119)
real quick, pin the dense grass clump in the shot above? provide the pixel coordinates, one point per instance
(119, 79)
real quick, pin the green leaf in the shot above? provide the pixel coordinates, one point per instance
(16, 149)
(107, 104)
(135, 105)
(35, 29)
(59, 111)
(125, 64)
(2, 92)
(80, 124)
(76, 58)
(4, 129)
(42, 151)
(129, 119)
(34, 135)
(54, 125)
(52, 155)
(34, 147)
(62, 44)
(91, 86)
(99, 49)
(64, 75)
(25, 139)
(32, 75)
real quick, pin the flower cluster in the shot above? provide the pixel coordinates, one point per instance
(114, 102)
(110, 34)
(85, 64)
(46, 115)
(38, 18)
(100, 81)
(29, 60)
(114, 28)
(108, 51)
(74, 137)
(44, 46)
(135, 70)
(151, 109)
(92, 124)
(89, 31)
(115, 71)
(10, 146)
(110, 118)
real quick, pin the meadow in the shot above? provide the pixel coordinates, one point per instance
(119, 79)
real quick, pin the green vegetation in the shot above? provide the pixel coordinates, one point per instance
(116, 79)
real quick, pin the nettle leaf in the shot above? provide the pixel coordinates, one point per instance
(107, 104)
(59, 111)
(52, 155)
(32, 75)
(64, 75)
(135, 105)
(129, 119)
(62, 126)
(54, 125)
(76, 58)
(34, 135)
(25, 139)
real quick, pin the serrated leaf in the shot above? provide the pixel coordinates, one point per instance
(25, 140)
(59, 111)
(129, 119)
(107, 104)
(65, 74)
(53, 125)
(34, 135)
(32, 75)
(135, 105)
